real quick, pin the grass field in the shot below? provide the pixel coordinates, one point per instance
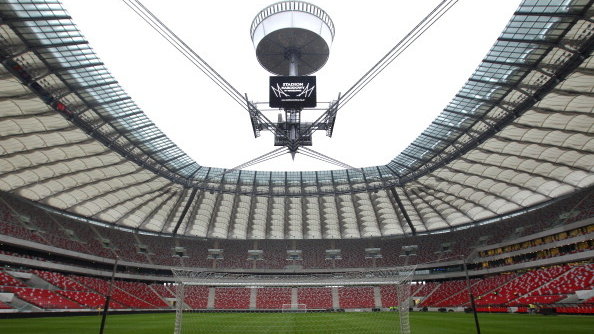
(302, 323)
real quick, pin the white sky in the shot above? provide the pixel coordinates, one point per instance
(371, 129)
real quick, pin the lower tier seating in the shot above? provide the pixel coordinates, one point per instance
(90, 299)
(44, 298)
(232, 298)
(356, 297)
(272, 298)
(315, 298)
(4, 306)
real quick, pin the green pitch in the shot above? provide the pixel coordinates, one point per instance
(302, 323)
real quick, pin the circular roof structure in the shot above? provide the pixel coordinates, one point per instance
(292, 28)
(517, 134)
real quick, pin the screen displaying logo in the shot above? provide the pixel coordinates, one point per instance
(293, 92)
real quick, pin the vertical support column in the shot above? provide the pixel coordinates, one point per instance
(377, 296)
(294, 296)
(210, 304)
(253, 294)
(179, 306)
(335, 298)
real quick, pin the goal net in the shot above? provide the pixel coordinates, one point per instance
(370, 301)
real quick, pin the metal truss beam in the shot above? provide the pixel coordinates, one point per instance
(153, 212)
(113, 190)
(403, 210)
(430, 207)
(185, 211)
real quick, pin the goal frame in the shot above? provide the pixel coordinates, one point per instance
(400, 277)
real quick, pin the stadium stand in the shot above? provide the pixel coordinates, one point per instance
(43, 298)
(90, 299)
(389, 296)
(232, 298)
(356, 297)
(59, 280)
(516, 204)
(7, 280)
(162, 290)
(543, 286)
(142, 248)
(4, 306)
(142, 291)
(120, 296)
(521, 285)
(445, 290)
(197, 297)
(423, 290)
(479, 288)
(272, 298)
(315, 298)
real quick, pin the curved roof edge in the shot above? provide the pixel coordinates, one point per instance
(462, 124)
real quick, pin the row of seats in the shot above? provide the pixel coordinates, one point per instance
(445, 290)
(539, 286)
(74, 291)
(522, 285)
(142, 291)
(118, 295)
(90, 299)
(43, 298)
(4, 306)
(532, 287)
(479, 287)
(8, 280)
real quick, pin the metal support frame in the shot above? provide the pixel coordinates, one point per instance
(185, 210)
(403, 210)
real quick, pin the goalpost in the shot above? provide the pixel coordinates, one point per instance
(274, 301)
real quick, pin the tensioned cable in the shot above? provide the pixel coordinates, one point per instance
(264, 157)
(146, 15)
(322, 157)
(442, 8)
(184, 49)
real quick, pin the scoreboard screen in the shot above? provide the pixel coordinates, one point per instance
(293, 92)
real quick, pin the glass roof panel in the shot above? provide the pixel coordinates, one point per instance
(524, 41)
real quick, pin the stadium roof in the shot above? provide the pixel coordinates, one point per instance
(518, 133)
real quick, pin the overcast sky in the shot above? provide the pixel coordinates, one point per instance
(371, 129)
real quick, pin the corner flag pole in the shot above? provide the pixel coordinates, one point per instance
(108, 297)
